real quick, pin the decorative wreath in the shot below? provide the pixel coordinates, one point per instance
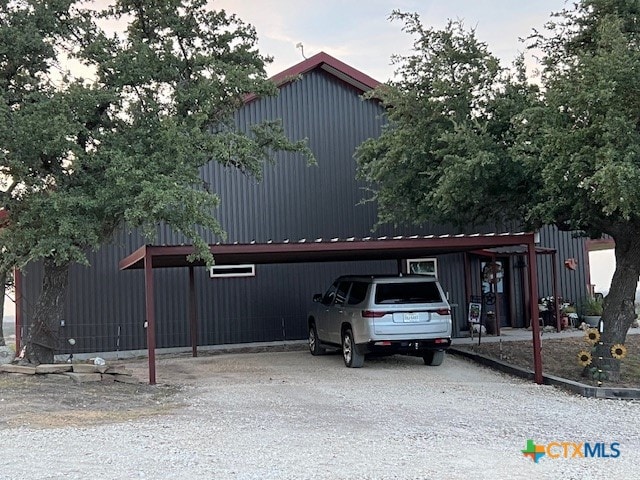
(492, 272)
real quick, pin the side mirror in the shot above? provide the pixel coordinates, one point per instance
(317, 297)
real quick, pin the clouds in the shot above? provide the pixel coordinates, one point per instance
(359, 33)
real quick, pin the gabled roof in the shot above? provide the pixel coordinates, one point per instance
(357, 79)
(4, 216)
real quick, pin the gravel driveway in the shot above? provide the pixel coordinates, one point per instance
(291, 415)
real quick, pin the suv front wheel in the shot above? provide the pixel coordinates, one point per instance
(352, 358)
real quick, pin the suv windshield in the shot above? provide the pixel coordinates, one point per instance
(417, 292)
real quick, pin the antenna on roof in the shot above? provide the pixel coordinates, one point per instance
(301, 47)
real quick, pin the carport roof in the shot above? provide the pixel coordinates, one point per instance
(149, 257)
(324, 250)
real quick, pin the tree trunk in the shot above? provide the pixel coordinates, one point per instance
(44, 333)
(619, 305)
(3, 279)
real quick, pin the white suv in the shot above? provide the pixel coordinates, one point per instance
(382, 314)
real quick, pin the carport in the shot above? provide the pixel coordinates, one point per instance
(149, 257)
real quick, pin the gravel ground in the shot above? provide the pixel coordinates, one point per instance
(290, 415)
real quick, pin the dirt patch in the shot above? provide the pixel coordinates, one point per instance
(560, 358)
(49, 401)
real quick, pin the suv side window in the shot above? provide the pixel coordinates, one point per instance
(328, 297)
(341, 293)
(358, 293)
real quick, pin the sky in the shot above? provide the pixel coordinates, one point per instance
(359, 33)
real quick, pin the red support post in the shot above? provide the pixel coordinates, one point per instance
(150, 310)
(495, 292)
(193, 313)
(535, 324)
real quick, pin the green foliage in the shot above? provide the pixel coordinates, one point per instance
(591, 306)
(444, 155)
(587, 140)
(83, 156)
(469, 142)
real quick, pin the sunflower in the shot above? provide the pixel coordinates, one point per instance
(584, 358)
(618, 351)
(592, 336)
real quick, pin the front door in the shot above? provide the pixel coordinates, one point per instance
(496, 299)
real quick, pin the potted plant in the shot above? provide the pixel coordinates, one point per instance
(591, 311)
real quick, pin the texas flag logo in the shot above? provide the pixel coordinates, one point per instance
(535, 452)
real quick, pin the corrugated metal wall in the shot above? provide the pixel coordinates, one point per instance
(572, 284)
(294, 200)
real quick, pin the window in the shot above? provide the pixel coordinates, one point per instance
(422, 292)
(222, 271)
(341, 293)
(358, 293)
(422, 266)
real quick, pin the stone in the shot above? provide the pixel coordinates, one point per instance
(118, 369)
(53, 368)
(84, 377)
(6, 355)
(84, 368)
(125, 379)
(108, 378)
(18, 369)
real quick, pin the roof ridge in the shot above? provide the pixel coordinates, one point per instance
(331, 65)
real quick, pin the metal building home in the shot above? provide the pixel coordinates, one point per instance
(265, 298)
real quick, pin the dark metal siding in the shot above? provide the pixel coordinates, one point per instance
(572, 284)
(293, 201)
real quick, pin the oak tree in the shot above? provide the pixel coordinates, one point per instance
(117, 138)
(468, 141)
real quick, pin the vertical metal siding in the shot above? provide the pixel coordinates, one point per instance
(572, 284)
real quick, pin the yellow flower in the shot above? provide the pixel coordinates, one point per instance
(584, 358)
(592, 336)
(618, 351)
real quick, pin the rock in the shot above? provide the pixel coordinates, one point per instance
(84, 368)
(18, 369)
(125, 379)
(118, 369)
(108, 378)
(6, 355)
(84, 377)
(53, 368)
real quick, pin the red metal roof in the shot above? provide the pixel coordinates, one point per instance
(326, 62)
(319, 250)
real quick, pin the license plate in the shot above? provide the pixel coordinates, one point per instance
(411, 317)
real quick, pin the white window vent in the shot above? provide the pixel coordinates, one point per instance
(229, 271)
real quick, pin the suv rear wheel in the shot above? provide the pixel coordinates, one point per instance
(314, 343)
(352, 358)
(433, 357)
